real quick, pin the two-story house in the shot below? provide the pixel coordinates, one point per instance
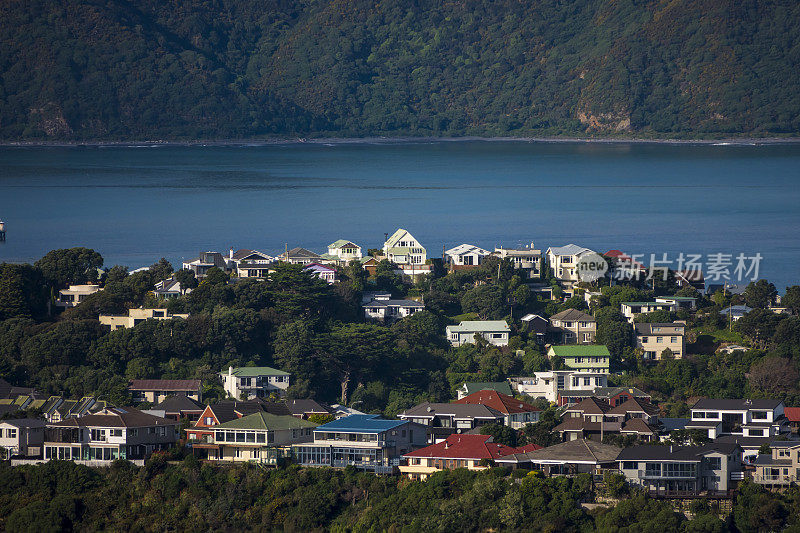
(253, 264)
(113, 433)
(342, 252)
(613, 395)
(654, 338)
(572, 326)
(745, 417)
(465, 256)
(366, 442)
(517, 413)
(779, 468)
(21, 437)
(247, 382)
(206, 261)
(563, 260)
(169, 288)
(157, 390)
(200, 436)
(137, 316)
(406, 252)
(384, 309)
(683, 302)
(259, 437)
(594, 358)
(631, 309)
(549, 384)
(75, 294)
(496, 332)
(442, 419)
(665, 470)
(594, 418)
(526, 260)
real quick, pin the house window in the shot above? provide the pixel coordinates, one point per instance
(673, 339)
(630, 465)
(758, 415)
(644, 340)
(715, 463)
(208, 421)
(116, 432)
(587, 382)
(659, 339)
(11, 433)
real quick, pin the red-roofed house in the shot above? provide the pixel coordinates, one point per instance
(472, 452)
(516, 413)
(792, 414)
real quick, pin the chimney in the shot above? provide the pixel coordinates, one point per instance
(230, 253)
(230, 370)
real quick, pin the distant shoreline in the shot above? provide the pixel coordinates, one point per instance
(744, 141)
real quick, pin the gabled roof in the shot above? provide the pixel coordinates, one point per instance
(343, 243)
(302, 407)
(169, 385)
(318, 268)
(633, 405)
(467, 326)
(604, 392)
(574, 315)
(267, 421)
(396, 236)
(590, 406)
(473, 447)
(569, 249)
(792, 414)
(116, 417)
(500, 402)
(574, 451)
(178, 404)
(361, 424)
(461, 411)
(735, 404)
(253, 371)
(499, 386)
(24, 422)
(301, 252)
(244, 253)
(637, 425)
(581, 350)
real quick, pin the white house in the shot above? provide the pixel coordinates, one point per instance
(495, 332)
(75, 294)
(382, 307)
(23, 436)
(406, 252)
(745, 417)
(169, 288)
(248, 382)
(343, 251)
(562, 261)
(631, 309)
(323, 272)
(549, 384)
(206, 261)
(527, 260)
(465, 255)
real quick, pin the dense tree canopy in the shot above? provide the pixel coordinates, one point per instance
(143, 69)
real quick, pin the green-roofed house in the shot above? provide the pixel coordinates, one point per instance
(342, 252)
(469, 387)
(260, 437)
(247, 382)
(404, 250)
(585, 358)
(495, 332)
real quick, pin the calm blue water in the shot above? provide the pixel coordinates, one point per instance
(135, 205)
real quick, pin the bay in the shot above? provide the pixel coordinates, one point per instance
(137, 204)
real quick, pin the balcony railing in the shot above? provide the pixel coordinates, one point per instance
(774, 479)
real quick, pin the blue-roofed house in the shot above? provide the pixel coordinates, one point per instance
(367, 442)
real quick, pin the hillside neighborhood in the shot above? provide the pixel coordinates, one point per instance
(559, 398)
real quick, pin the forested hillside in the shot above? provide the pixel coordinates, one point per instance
(147, 70)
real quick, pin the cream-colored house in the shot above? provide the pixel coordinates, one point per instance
(563, 260)
(780, 467)
(23, 437)
(342, 252)
(75, 294)
(406, 252)
(654, 338)
(576, 327)
(495, 332)
(631, 309)
(136, 316)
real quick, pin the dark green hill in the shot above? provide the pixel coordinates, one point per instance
(154, 69)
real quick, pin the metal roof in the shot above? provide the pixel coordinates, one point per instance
(361, 424)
